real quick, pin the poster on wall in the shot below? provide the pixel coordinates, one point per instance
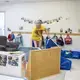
(13, 61)
(3, 60)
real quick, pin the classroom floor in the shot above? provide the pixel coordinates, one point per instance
(73, 74)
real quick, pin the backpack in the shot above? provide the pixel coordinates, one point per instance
(68, 40)
(12, 36)
(54, 38)
(9, 37)
(60, 41)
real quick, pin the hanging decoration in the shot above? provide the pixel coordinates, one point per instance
(21, 28)
(66, 31)
(44, 22)
(67, 18)
(30, 21)
(59, 18)
(79, 30)
(61, 30)
(8, 29)
(22, 18)
(69, 30)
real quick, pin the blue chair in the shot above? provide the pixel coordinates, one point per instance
(65, 64)
(66, 54)
(62, 53)
(75, 54)
(72, 54)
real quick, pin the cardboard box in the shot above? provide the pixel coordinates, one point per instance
(12, 64)
(43, 63)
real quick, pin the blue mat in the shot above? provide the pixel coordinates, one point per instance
(70, 54)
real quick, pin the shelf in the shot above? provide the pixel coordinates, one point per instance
(72, 34)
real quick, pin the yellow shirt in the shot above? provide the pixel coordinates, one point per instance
(37, 33)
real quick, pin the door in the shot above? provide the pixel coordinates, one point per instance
(2, 28)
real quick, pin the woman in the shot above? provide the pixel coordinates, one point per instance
(37, 34)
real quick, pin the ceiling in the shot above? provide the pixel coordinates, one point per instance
(2, 2)
(14, 1)
(26, 1)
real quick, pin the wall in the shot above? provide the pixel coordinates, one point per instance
(44, 11)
